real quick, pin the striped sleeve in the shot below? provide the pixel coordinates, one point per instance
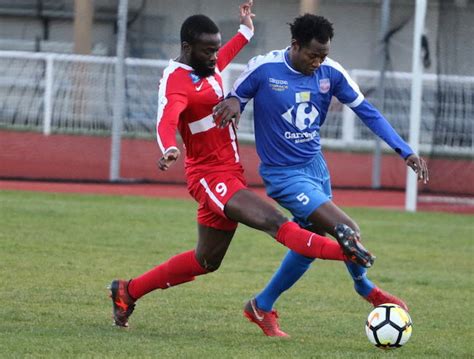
(233, 46)
(172, 101)
(247, 84)
(345, 90)
(348, 92)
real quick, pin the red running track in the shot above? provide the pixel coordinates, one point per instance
(343, 197)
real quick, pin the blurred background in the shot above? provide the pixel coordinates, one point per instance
(79, 79)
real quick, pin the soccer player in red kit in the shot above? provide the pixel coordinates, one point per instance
(190, 88)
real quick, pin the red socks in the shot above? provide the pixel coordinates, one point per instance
(307, 243)
(179, 269)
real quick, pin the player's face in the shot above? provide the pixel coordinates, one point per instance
(307, 59)
(203, 54)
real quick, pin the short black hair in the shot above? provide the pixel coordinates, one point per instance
(196, 25)
(308, 27)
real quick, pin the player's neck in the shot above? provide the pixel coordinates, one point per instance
(289, 59)
(182, 59)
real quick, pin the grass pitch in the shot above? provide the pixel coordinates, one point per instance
(58, 252)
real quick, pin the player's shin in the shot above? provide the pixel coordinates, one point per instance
(307, 243)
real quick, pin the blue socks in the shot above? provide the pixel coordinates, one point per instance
(362, 284)
(293, 267)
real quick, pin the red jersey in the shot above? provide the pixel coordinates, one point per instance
(185, 102)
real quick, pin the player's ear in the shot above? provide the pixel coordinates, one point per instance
(186, 47)
(295, 45)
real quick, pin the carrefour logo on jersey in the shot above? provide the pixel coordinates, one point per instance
(277, 85)
(303, 117)
(300, 137)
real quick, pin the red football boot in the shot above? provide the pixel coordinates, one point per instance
(123, 303)
(267, 321)
(378, 296)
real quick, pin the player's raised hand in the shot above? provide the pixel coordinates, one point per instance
(420, 167)
(246, 14)
(226, 111)
(168, 158)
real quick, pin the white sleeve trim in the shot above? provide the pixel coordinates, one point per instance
(356, 102)
(241, 99)
(336, 65)
(162, 100)
(170, 148)
(246, 31)
(252, 65)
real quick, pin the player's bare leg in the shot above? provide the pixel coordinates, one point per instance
(248, 208)
(212, 246)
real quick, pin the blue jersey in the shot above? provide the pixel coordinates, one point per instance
(290, 107)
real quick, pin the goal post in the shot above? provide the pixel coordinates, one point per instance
(415, 103)
(119, 93)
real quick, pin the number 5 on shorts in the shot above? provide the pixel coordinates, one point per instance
(304, 199)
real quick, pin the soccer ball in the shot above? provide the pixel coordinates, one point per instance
(388, 326)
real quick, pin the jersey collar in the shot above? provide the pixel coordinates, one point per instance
(180, 64)
(286, 56)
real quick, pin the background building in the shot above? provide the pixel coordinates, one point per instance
(153, 31)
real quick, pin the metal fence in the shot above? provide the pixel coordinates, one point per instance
(56, 93)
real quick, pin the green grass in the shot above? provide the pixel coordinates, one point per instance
(58, 252)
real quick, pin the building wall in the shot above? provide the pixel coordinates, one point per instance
(87, 158)
(155, 34)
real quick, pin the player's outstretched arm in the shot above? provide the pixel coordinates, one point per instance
(420, 167)
(231, 48)
(246, 15)
(168, 159)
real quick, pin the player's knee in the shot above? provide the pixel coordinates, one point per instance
(209, 263)
(212, 266)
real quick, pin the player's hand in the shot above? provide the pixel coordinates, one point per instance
(226, 111)
(420, 167)
(168, 159)
(246, 14)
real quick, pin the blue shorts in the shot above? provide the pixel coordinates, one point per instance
(300, 189)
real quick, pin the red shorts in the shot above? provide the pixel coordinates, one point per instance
(212, 192)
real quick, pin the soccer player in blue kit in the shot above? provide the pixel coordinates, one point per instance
(292, 89)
